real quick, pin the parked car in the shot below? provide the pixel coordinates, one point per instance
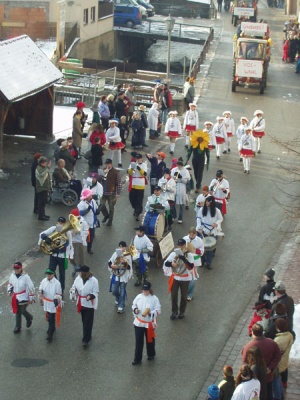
(127, 15)
(142, 9)
(149, 7)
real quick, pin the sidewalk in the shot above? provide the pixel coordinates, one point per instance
(286, 264)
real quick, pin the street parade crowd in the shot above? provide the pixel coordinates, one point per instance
(115, 119)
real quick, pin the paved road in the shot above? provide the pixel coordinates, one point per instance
(187, 349)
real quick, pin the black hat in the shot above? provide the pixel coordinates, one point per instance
(140, 228)
(62, 220)
(146, 285)
(122, 243)
(219, 172)
(108, 161)
(181, 242)
(84, 268)
(270, 273)
(167, 171)
(258, 305)
(180, 161)
(157, 188)
(135, 154)
(121, 92)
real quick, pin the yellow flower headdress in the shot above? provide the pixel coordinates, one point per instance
(199, 139)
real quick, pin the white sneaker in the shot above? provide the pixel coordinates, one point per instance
(116, 303)
(179, 221)
(120, 310)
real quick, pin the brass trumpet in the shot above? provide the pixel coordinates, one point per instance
(180, 267)
(122, 263)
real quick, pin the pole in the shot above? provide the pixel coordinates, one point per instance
(169, 55)
(183, 74)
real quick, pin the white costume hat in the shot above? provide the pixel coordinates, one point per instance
(227, 112)
(248, 128)
(192, 104)
(219, 118)
(113, 120)
(244, 118)
(208, 123)
(258, 112)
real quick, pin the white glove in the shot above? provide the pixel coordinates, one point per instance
(133, 165)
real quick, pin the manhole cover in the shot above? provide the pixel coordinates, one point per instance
(29, 362)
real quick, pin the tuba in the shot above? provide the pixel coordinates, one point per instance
(59, 239)
(180, 267)
(121, 262)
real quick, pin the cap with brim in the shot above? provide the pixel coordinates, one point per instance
(219, 118)
(122, 243)
(135, 154)
(192, 105)
(179, 162)
(146, 285)
(161, 154)
(140, 228)
(208, 123)
(244, 119)
(17, 266)
(167, 171)
(61, 219)
(219, 172)
(258, 305)
(113, 120)
(258, 112)
(157, 187)
(84, 268)
(226, 112)
(181, 242)
(49, 272)
(108, 161)
(270, 273)
(279, 286)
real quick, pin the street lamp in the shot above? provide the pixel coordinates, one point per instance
(170, 22)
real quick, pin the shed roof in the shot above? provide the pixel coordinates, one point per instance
(25, 69)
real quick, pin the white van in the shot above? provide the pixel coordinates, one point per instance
(142, 9)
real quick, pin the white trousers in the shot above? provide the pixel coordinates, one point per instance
(111, 155)
(246, 162)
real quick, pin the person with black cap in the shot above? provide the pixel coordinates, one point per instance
(58, 256)
(168, 186)
(86, 290)
(146, 307)
(219, 188)
(261, 316)
(21, 289)
(283, 298)
(43, 186)
(178, 267)
(158, 199)
(267, 292)
(50, 295)
(181, 176)
(157, 168)
(137, 172)
(143, 246)
(112, 187)
(120, 268)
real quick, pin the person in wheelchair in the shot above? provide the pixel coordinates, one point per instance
(62, 179)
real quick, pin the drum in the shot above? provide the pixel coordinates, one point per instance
(210, 243)
(154, 223)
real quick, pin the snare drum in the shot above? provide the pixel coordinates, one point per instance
(210, 243)
(154, 223)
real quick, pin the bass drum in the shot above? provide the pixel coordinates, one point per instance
(154, 223)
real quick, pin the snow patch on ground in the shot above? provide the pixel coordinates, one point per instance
(295, 351)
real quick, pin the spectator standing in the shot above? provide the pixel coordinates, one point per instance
(144, 122)
(43, 186)
(153, 121)
(258, 366)
(283, 298)
(267, 292)
(130, 94)
(104, 112)
(33, 181)
(227, 385)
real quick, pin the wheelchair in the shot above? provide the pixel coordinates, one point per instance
(62, 192)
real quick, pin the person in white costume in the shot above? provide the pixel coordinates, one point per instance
(50, 296)
(173, 129)
(247, 148)
(241, 130)
(181, 177)
(146, 307)
(114, 139)
(258, 125)
(190, 123)
(143, 246)
(21, 289)
(230, 130)
(120, 268)
(168, 186)
(86, 290)
(220, 135)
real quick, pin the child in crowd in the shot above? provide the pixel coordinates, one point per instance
(261, 316)
(227, 385)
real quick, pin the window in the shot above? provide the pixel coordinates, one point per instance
(93, 14)
(86, 16)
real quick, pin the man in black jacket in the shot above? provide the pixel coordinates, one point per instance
(267, 292)
(282, 297)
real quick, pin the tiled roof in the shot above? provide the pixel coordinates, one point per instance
(25, 69)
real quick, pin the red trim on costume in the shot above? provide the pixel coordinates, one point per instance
(190, 128)
(220, 140)
(150, 330)
(211, 147)
(229, 134)
(116, 146)
(14, 301)
(173, 134)
(258, 134)
(224, 208)
(246, 153)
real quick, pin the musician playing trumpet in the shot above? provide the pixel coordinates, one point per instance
(120, 268)
(178, 267)
(219, 188)
(168, 185)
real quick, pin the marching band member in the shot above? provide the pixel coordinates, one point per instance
(86, 290)
(58, 256)
(146, 307)
(258, 125)
(113, 137)
(92, 183)
(219, 188)
(157, 168)
(241, 130)
(21, 289)
(230, 129)
(137, 172)
(87, 209)
(209, 221)
(120, 273)
(50, 296)
(220, 135)
(208, 127)
(201, 199)
(181, 177)
(157, 198)
(144, 246)
(79, 241)
(197, 242)
(247, 148)
(168, 186)
(173, 129)
(190, 123)
(181, 279)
